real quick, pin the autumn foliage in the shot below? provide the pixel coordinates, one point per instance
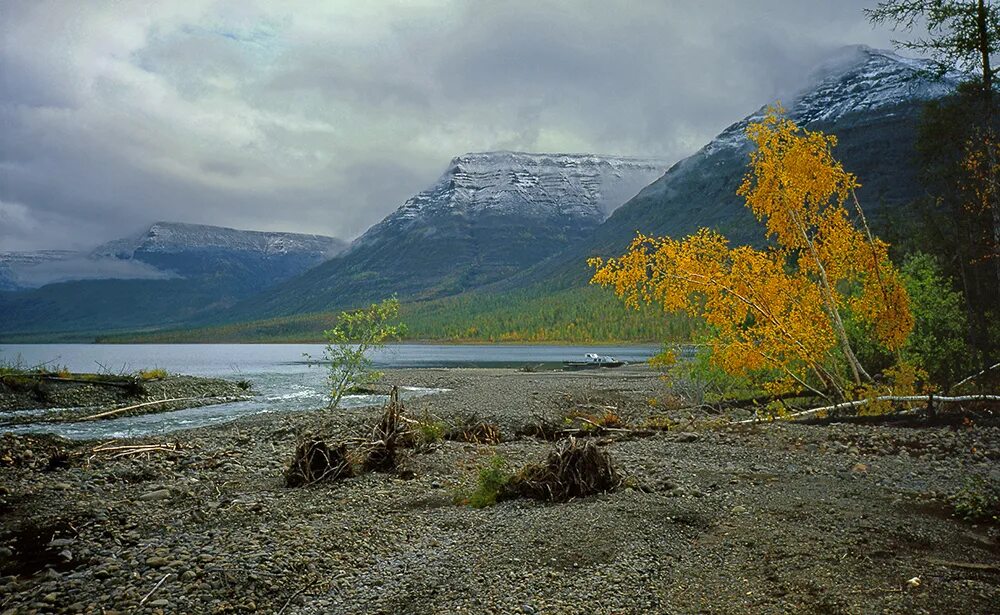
(778, 314)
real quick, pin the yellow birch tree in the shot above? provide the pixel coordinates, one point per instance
(778, 314)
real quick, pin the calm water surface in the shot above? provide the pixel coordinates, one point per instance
(282, 377)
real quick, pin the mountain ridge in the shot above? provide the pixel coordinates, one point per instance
(487, 216)
(167, 274)
(164, 236)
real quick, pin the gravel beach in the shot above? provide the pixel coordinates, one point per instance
(768, 518)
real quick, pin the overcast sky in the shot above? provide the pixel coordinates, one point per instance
(324, 116)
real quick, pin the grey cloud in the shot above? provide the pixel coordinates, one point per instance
(84, 268)
(324, 117)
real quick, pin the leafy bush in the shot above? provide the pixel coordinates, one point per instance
(700, 381)
(776, 315)
(937, 344)
(977, 500)
(429, 430)
(660, 423)
(348, 345)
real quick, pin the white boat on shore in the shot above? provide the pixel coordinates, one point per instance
(594, 361)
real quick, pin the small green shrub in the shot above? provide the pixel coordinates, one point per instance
(660, 423)
(697, 380)
(977, 500)
(152, 374)
(430, 430)
(349, 345)
(492, 480)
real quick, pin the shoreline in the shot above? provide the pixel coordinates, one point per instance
(414, 342)
(34, 398)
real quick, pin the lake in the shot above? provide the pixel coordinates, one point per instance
(282, 377)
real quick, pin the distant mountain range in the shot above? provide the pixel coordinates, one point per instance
(168, 274)
(503, 225)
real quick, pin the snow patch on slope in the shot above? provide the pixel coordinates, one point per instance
(172, 237)
(574, 187)
(858, 78)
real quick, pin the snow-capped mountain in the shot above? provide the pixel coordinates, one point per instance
(490, 215)
(565, 189)
(170, 249)
(173, 237)
(166, 274)
(870, 99)
(13, 262)
(507, 220)
(858, 79)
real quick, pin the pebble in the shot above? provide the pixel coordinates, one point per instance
(159, 494)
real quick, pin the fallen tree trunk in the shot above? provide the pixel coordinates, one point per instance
(101, 415)
(974, 376)
(930, 399)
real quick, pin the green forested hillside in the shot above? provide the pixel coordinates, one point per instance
(587, 314)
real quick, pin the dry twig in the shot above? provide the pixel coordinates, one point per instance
(155, 587)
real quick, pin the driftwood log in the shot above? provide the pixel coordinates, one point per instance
(930, 400)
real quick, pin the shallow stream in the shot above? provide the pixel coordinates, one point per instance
(282, 376)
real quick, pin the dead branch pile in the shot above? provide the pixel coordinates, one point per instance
(541, 428)
(576, 468)
(579, 424)
(392, 432)
(314, 461)
(475, 431)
